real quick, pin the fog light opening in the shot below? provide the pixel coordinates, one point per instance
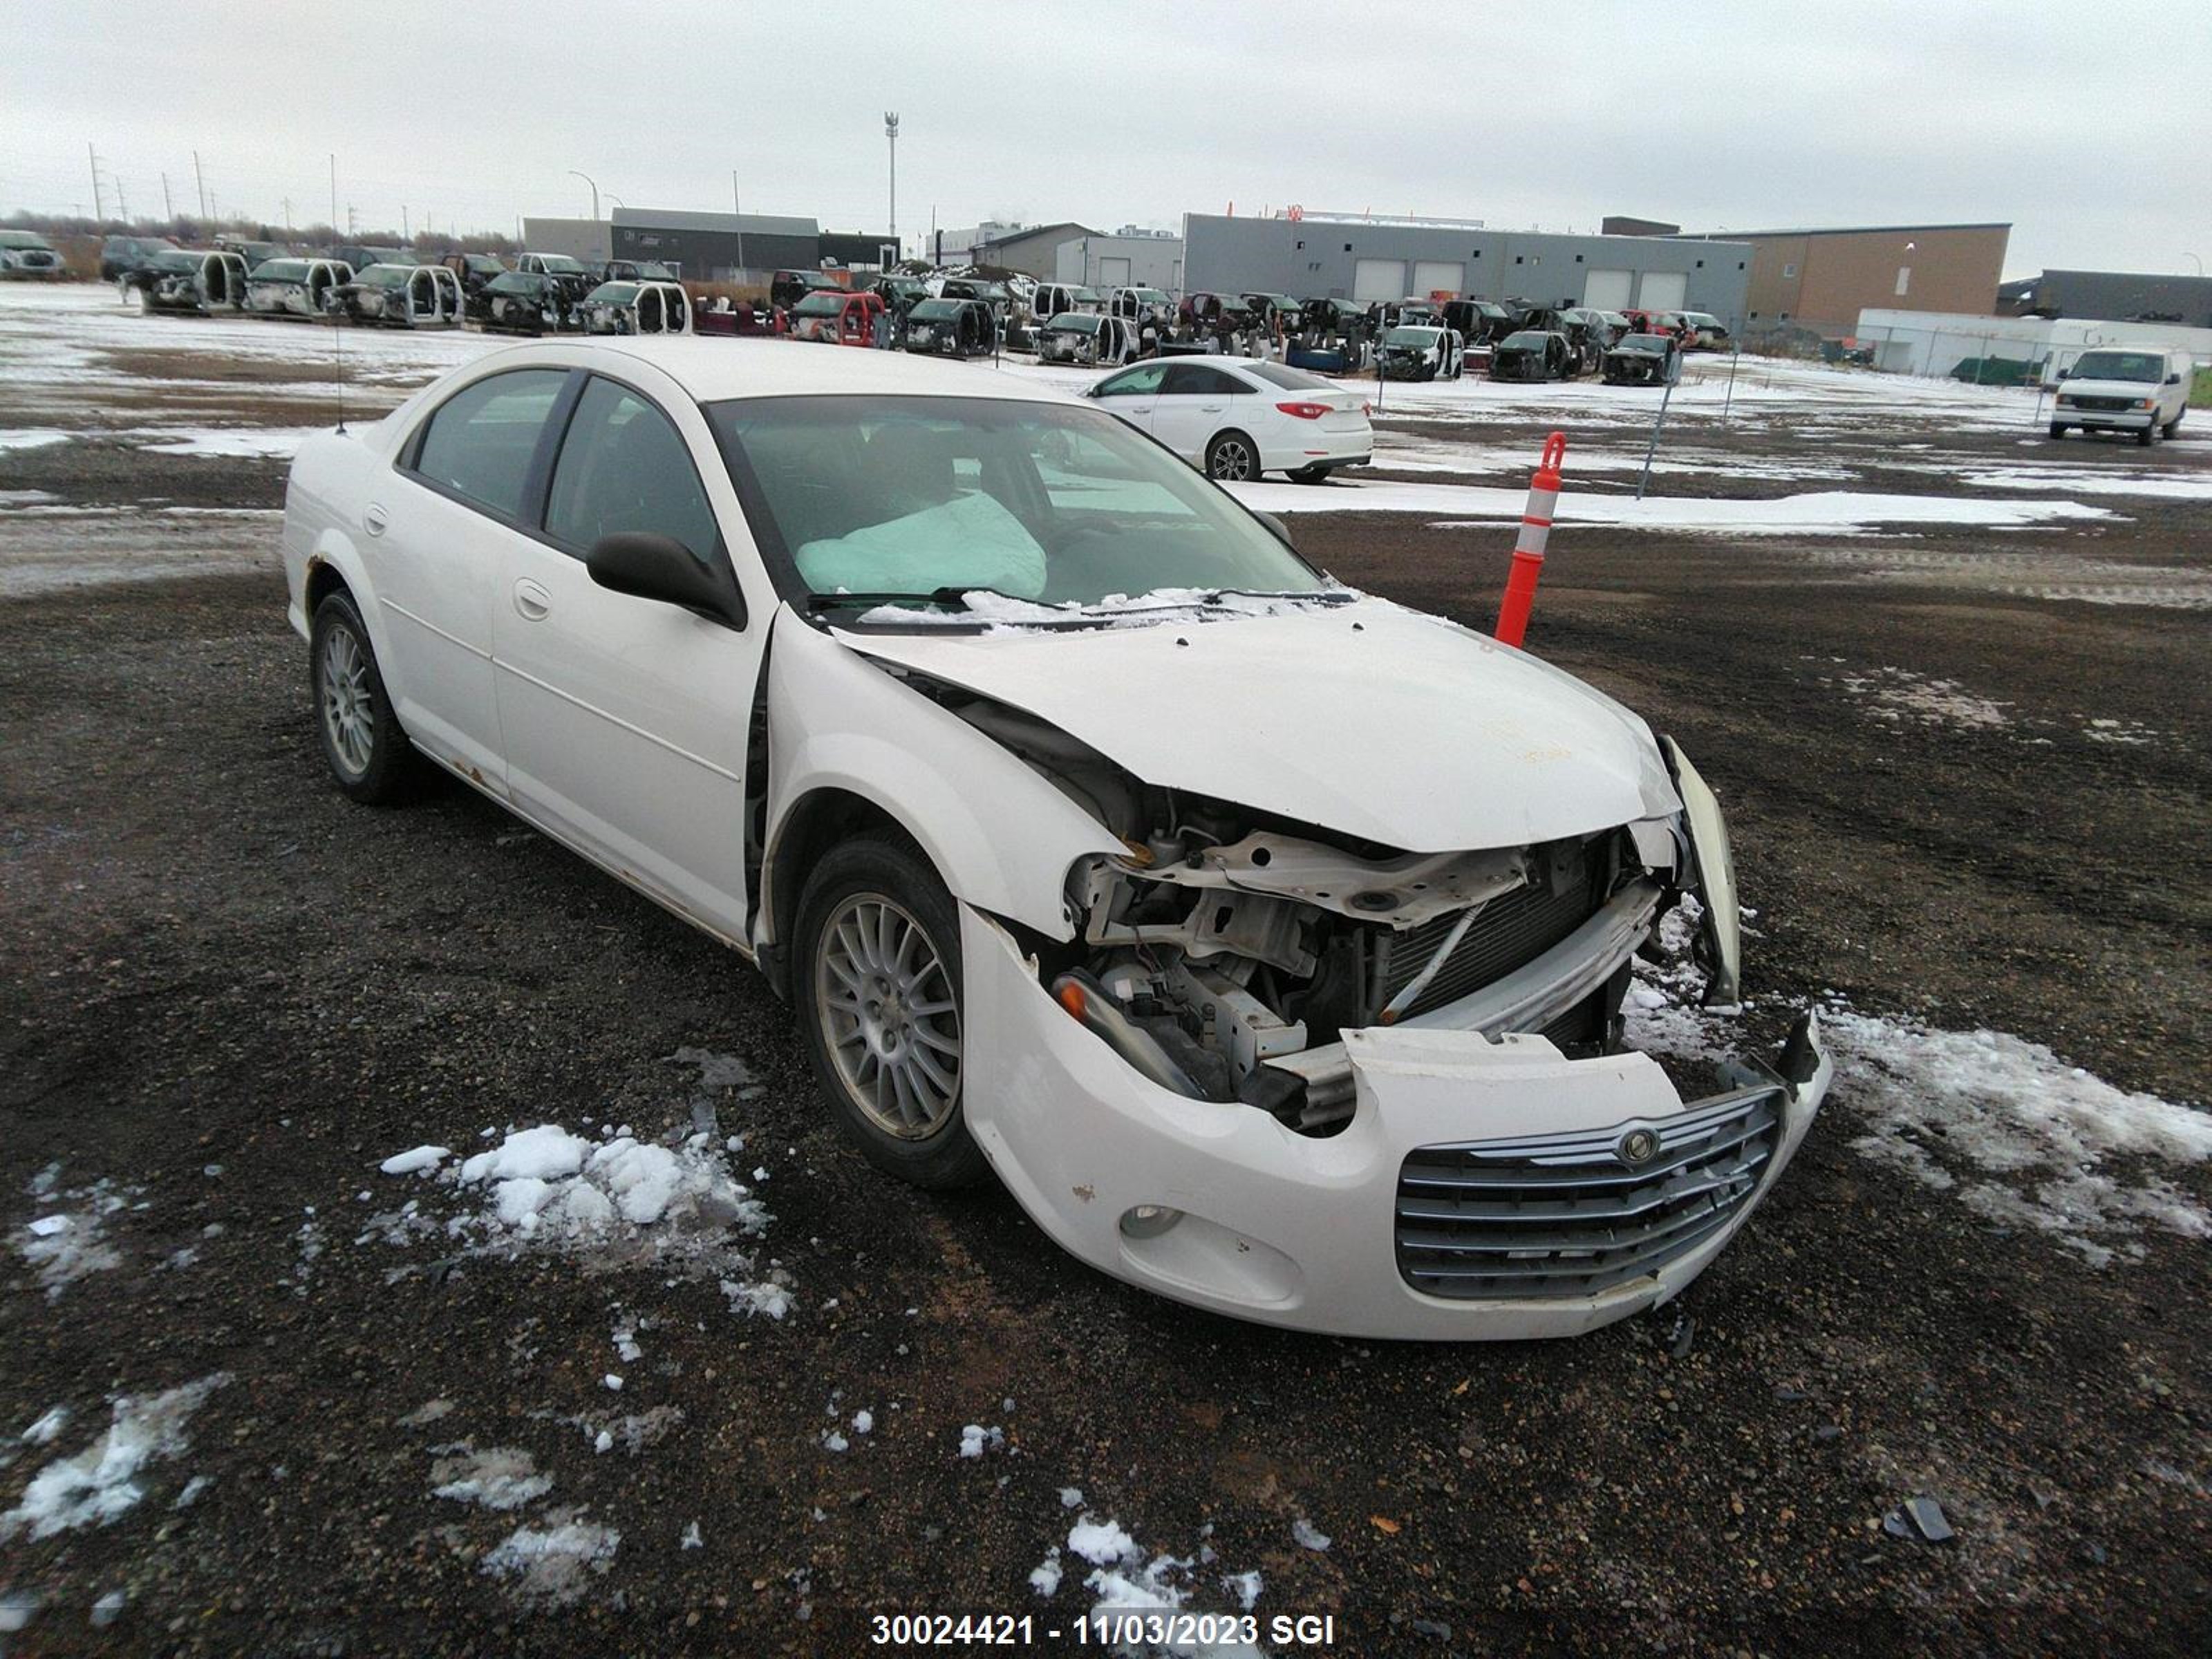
(1148, 1220)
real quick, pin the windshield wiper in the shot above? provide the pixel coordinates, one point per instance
(956, 597)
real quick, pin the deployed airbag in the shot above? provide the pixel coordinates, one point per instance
(970, 541)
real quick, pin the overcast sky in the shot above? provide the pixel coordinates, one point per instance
(2085, 125)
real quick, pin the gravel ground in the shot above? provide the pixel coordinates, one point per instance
(229, 994)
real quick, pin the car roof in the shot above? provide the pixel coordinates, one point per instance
(713, 370)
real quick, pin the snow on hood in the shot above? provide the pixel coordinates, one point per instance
(1367, 719)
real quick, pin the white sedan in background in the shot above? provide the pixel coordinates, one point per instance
(1267, 940)
(1237, 417)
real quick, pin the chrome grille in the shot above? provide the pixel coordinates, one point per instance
(1513, 930)
(1562, 1216)
(2104, 404)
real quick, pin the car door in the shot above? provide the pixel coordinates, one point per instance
(1133, 394)
(1196, 402)
(626, 720)
(433, 534)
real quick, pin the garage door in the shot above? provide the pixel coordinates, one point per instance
(1378, 279)
(1113, 273)
(1436, 277)
(1663, 290)
(1609, 290)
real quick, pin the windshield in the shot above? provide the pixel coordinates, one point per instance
(2146, 366)
(1420, 339)
(1525, 340)
(1074, 322)
(819, 305)
(612, 293)
(1651, 345)
(176, 260)
(23, 238)
(936, 310)
(280, 271)
(386, 275)
(512, 282)
(561, 265)
(920, 500)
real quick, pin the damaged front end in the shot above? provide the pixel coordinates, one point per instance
(1324, 1083)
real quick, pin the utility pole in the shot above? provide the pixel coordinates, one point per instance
(890, 131)
(406, 236)
(288, 218)
(202, 178)
(98, 211)
(334, 193)
(122, 207)
(738, 208)
(168, 212)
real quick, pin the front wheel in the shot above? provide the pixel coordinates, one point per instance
(1232, 458)
(2171, 426)
(2149, 436)
(367, 751)
(2058, 428)
(1310, 475)
(876, 961)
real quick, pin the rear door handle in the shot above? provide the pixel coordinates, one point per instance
(532, 601)
(374, 519)
(1211, 408)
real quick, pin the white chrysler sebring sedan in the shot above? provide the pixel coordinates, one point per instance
(1266, 939)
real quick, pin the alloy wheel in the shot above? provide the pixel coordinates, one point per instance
(347, 717)
(889, 1017)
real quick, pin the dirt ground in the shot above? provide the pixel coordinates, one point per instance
(231, 993)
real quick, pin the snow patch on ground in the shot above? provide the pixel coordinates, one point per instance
(616, 1201)
(554, 1564)
(1125, 1579)
(103, 1482)
(1898, 694)
(975, 1440)
(68, 1240)
(2020, 1138)
(274, 442)
(498, 1477)
(29, 437)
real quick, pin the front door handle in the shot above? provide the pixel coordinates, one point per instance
(374, 518)
(532, 601)
(1212, 409)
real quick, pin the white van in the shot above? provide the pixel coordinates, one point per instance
(2124, 389)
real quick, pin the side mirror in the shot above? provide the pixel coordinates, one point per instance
(647, 566)
(2064, 373)
(1279, 530)
(2173, 379)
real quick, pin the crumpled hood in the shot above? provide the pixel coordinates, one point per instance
(1367, 719)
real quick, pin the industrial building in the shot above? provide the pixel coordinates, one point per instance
(710, 247)
(2124, 295)
(1365, 257)
(1128, 258)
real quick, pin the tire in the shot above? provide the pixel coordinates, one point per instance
(2058, 428)
(872, 908)
(2171, 426)
(1232, 458)
(144, 297)
(2149, 436)
(362, 744)
(1314, 474)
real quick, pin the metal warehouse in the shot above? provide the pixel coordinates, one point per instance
(1365, 258)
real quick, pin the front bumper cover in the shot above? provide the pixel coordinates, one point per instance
(1264, 1223)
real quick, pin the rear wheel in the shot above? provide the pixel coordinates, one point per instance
(877, 961)
(1314, 474)
(368, 752)
(1232, 458)
(2058, 428)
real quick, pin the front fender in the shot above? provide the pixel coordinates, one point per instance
(1000, 836)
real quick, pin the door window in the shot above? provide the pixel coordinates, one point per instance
(624, 467)
(1139, 382)
(479, 443)
(1196, 380)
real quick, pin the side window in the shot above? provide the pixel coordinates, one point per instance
(479, 443)
(1141, 382)
(1196, 380)
(623, 466)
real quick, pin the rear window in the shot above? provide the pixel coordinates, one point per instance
(1289, 380)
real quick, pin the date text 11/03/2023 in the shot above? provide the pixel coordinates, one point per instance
(1120, 1629)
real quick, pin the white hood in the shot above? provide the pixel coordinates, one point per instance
(1367, 719)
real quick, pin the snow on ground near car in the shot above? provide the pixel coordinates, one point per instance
(1125, 1579)
(45, 549)
(2023, 572)
(1899, 694)
(553, 1564)
(101, 1482)
(497, 1477)
(2020, 1138)
(278, 443)
(2077, 480)
(615, 1201)
(67, 1238)
(29, 438)
(1822, 513)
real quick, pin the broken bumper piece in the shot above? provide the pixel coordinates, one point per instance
(1483, 1189)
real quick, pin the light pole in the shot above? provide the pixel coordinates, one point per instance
(890, 131)
(2200, 263)
(587, 178)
